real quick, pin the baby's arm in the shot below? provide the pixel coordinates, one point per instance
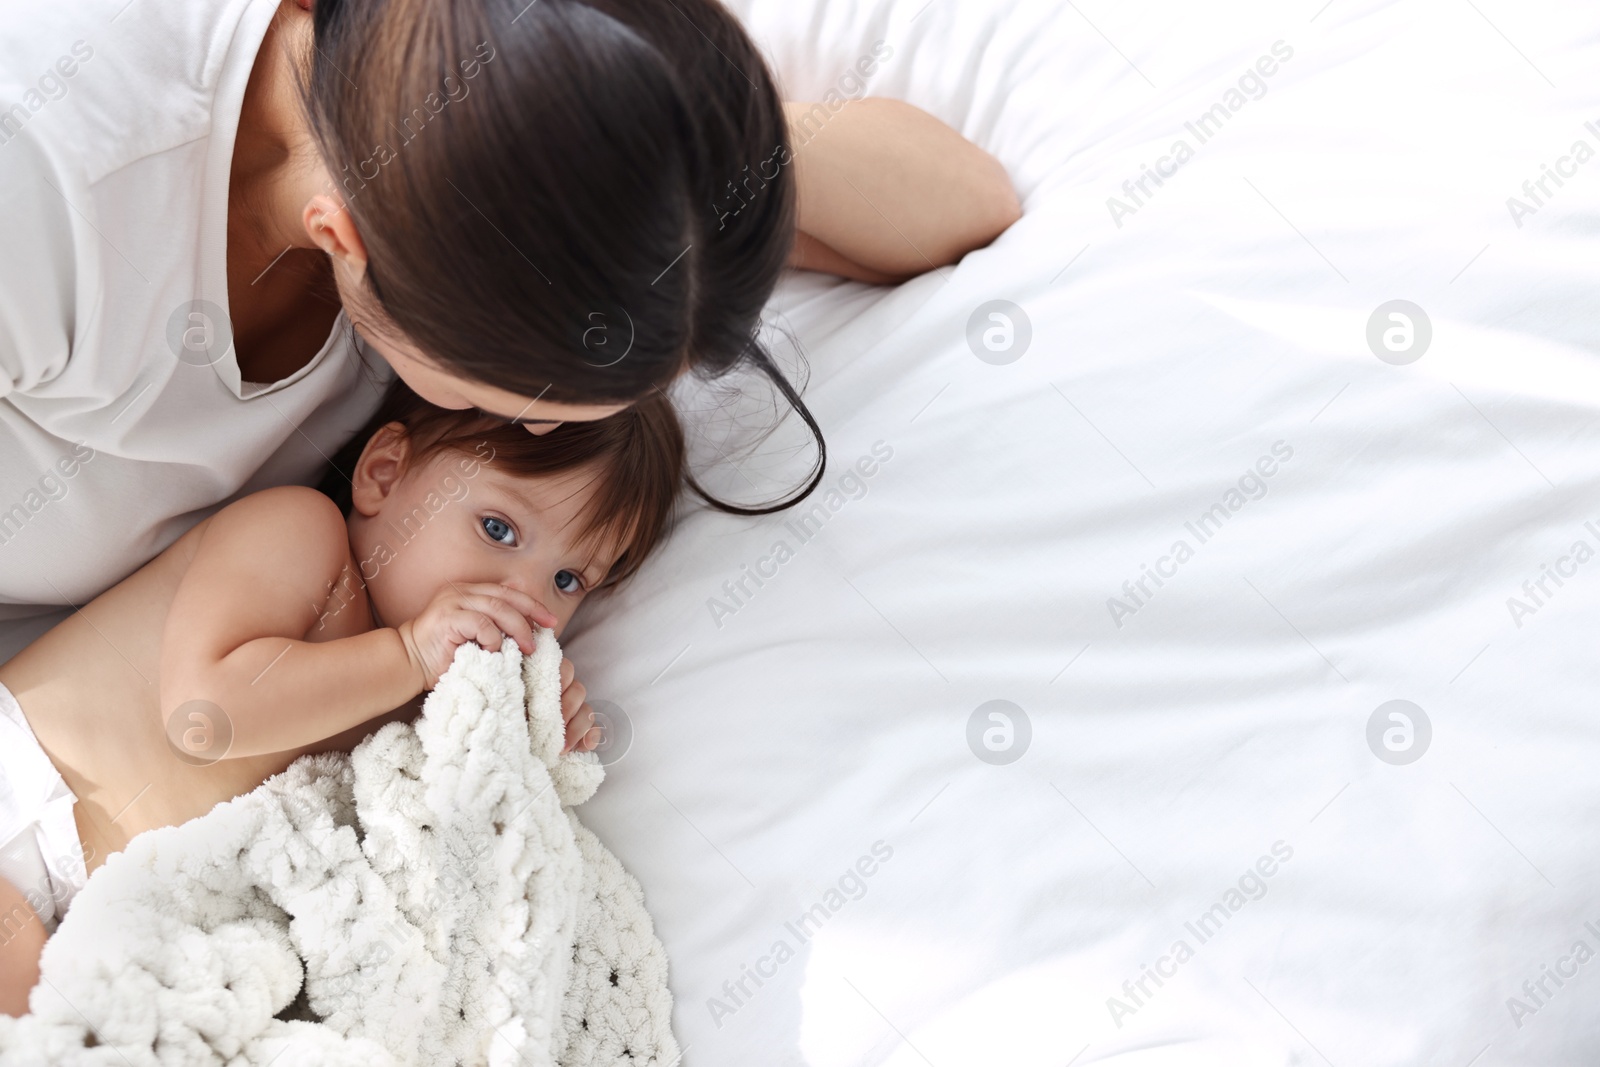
(260, 579)
(886, 191)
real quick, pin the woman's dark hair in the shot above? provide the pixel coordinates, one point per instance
(572, 199)
(636, 455)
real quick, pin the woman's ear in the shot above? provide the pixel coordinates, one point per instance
(330, 226)
(382, 464)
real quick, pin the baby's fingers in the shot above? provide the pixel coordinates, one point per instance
(572, 698)
(518, 598)
(502, 619)
(579, 725)
(479, 627)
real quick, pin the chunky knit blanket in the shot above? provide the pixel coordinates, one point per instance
(428, 899)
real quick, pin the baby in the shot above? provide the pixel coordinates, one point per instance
(296, 621)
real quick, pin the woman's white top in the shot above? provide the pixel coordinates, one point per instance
(123, 419)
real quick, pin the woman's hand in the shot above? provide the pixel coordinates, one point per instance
(480, 612)
(582, 733)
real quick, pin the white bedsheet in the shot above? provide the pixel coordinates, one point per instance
(777, 743)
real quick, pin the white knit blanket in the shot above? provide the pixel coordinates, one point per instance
(428, 899)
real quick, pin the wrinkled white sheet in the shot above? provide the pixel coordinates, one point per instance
(776, 745)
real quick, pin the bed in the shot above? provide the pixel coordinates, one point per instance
(1190, 659)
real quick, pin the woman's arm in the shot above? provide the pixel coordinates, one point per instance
(887, 191)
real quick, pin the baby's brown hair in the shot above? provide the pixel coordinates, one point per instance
(637, 456)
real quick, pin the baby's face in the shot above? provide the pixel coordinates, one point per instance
(455, 518)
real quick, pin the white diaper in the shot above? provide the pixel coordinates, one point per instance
(40, 852)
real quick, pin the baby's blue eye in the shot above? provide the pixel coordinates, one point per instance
(498, 530)
(577, 583)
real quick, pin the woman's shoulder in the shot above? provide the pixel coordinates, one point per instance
(104, 83)
(111, 113)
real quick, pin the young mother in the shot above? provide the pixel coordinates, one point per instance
(215, 211)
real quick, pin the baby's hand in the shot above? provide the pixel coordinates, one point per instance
(582, 733)
(480, 612)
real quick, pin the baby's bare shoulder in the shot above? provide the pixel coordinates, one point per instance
(290, 527)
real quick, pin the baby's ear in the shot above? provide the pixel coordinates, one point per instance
(382, 464)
